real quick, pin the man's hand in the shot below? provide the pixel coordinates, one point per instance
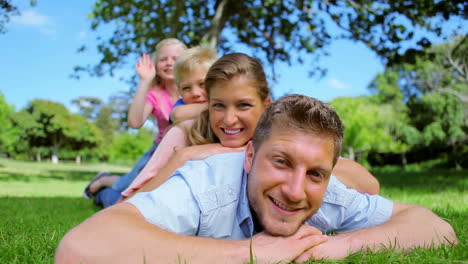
(271, 249)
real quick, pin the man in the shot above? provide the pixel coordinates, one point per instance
(280, 193)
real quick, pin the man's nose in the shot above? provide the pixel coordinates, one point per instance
(294, 188)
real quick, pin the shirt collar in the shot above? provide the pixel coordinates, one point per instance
(244, 215)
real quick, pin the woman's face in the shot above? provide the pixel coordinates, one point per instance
(167, 57)
(234, 108)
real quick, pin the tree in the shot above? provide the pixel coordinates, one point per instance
(7, 9)
(275, 30)
(8, 133)
(431, 96)
(48, 124)
(368, 127)
(88, 106)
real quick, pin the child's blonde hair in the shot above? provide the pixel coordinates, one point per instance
(162, 43)
(192, 59)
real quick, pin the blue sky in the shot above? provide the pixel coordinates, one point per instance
(38, 54)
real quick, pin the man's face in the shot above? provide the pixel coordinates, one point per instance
(287, 178)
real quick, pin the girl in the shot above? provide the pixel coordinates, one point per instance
(237, 94)
(156, 94)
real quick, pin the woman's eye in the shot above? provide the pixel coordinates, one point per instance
(245, 105)
(185, 89)
(217, 105)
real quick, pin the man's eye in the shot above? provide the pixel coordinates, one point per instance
(280, 161)
(315, 174)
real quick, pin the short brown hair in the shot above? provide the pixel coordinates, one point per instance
(301, 113)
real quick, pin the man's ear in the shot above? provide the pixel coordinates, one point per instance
(249, 155)
(267, 101)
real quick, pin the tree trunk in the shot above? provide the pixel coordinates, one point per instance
(351, 154)
(404, 162)
(78, 159)
(55, 158)
(38, 155)
(217, 24)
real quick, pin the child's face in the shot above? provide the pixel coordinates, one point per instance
(192, 87)
(167, 56)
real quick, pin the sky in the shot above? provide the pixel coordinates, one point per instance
(38, 53)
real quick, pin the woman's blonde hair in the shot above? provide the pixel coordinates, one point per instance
(223, 70)
(156, 54)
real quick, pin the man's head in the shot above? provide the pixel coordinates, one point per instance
(294, 149)
(190, 71)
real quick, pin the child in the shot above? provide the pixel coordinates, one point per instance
(156, 94)
(189, 71)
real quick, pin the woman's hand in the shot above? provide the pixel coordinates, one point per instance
(145, 68)
(200, 152)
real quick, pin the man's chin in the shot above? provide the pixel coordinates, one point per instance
(281, 230)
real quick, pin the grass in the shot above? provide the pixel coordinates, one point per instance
(40, 202)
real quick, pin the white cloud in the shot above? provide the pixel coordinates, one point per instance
(82, 34)
(337, 84)
(35, 19)
(31, 18)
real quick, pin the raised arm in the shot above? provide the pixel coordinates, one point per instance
(355, 176)
(140, 109)
(411, 226)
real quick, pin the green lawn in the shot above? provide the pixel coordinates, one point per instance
(40, 202)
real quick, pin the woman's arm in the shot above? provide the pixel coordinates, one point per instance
(355, 176)
(140, 109)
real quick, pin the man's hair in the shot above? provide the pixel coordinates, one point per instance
(302, 113)
(192, 59)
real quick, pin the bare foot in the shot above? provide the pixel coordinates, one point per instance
(104, 181)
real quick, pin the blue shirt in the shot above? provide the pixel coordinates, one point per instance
(179, 102)
(209, 198)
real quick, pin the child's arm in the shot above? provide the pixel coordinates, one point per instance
(355, 176)
(186, 112)
(140, 109)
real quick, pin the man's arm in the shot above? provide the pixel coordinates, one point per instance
(120, 234)
(411, 226)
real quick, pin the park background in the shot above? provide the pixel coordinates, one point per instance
(397, 73)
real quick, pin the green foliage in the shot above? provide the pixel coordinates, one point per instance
(8, 133)
(274, 30)
(368, 126)
(50, 125)
(128, 148)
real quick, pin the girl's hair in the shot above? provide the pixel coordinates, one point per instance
(223, 70)
(162, 43)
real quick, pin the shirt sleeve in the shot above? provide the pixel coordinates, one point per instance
(345, 209)
(179, 102)
(171, 206)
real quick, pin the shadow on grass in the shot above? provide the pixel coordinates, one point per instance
(36, 225)
(424, 181)
(71, 176)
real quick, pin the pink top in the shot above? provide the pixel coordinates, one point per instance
(175, 137)
(162, 106)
